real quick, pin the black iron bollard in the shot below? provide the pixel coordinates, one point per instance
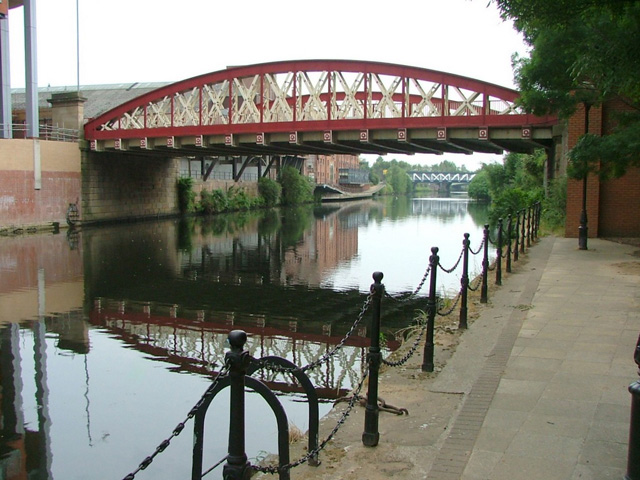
(529, 225)
(485, 265)
(370, 436)
(237, 466)
(517, 231)
(509, 233)
(523, 227)
(633, 458)
(427, 360)
(464, 282)
(499, 256)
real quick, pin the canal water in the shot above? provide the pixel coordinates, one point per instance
(110, 335)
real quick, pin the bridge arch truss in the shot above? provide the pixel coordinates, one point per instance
(322, 107)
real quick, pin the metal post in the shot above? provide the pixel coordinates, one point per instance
(237, 466)
(522, 230)
(529, 224)
(509, 233)
(31, 69)
(464, 282)
(633, 458)
(583, 229)
(5, 81)
(427, 361)
(370, 436)
(485, 265)
(516, 248)
(499, 252)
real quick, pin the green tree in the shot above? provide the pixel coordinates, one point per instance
(270, 191)
(479, 187)
(399, 180)
(582, 52)
(186, 195)
(296, 189)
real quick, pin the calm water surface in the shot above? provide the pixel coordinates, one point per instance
(110, 335)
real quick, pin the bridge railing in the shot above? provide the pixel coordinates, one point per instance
(239, 365)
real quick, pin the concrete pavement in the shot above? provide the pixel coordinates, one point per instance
(536, 388)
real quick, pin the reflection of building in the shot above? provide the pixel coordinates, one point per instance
(24, 453)
(39, 275)
(323, 247)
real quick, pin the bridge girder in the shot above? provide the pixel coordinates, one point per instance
(321, 107)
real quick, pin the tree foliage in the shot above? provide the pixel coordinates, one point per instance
(582, 52)
(513, 185)
(270, 191)
(296, 189)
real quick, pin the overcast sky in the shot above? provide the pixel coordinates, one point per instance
(126, 41)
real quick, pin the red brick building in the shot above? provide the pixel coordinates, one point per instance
(613, 206)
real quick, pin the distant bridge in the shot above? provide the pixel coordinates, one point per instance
(441, 177)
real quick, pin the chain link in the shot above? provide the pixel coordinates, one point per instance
(449, 270)
(474, 289)
(453, 307)
(409, 354)
(180, 427)
(314, 453)
(479, 248)
(406, 298)
(326, 356)
(215, 466)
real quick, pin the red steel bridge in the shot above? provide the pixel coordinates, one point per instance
(321, 107)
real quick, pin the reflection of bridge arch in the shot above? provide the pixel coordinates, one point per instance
(321, 106)
(429, 206)
(200, 345)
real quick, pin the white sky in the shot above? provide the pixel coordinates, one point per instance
(126, 41)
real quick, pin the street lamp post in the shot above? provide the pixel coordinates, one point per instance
(583, 229)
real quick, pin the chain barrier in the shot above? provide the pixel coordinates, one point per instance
(180, 427)
(479, 248)
(326, 356)
(475, 289)
(409, 296)
(409, 354)
(453, 307)
(314, 453)
(491, 268)
(449, 270)
(215, 466)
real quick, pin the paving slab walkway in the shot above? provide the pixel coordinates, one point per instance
(536, 388)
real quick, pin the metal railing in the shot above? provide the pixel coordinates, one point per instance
(46, 132)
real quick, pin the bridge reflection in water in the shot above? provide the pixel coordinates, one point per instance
(199, 344)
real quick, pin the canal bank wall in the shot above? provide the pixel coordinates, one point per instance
(38, 181)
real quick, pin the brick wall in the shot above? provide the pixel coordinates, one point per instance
(613, 206)
(127, 187)
(21, 204)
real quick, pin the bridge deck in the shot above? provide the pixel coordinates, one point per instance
(321, 107)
